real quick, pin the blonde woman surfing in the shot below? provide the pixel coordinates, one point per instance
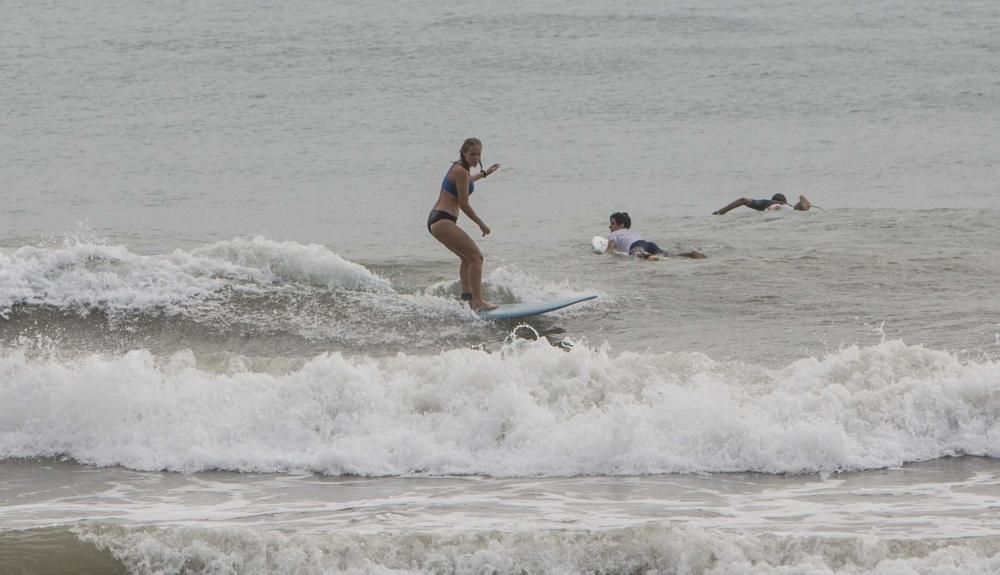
(456, 189)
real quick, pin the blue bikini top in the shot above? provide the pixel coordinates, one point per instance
(450, 187)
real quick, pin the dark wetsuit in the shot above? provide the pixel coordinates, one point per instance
(761, 205)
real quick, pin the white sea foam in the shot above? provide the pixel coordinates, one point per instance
(524, 287)
(530, 409)
(653, 548)
(508, 282)
(83, 275)
(311, 264)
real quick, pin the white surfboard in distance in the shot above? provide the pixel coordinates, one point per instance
(599, 244)
(526, 309)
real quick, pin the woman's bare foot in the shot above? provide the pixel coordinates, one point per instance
(481, 305)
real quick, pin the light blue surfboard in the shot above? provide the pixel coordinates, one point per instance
(525, 309)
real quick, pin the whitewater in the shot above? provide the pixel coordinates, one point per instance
(228, 344)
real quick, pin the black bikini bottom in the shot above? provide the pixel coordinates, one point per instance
(437, 216)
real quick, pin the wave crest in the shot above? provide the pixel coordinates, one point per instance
(531, 409)
(86, 275)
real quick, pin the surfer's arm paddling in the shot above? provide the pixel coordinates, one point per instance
(611, 249)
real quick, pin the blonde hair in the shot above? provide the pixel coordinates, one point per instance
(468, 143)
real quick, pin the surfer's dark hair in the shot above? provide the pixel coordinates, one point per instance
(468, 143)
(622, 218)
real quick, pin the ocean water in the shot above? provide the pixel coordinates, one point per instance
(228, 344)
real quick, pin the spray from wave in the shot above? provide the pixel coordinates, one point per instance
(530, 409)
(253, 295)
(85, 276)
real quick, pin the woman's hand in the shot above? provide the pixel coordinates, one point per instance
(491, 169)
(485, 229)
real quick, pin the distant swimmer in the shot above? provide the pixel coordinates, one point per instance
(442, 223)
(776, 202)
(623, 240)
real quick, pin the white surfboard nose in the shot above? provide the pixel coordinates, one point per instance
(599, 244)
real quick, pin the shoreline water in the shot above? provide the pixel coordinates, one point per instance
(850, 522)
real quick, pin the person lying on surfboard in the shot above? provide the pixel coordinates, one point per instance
(777, 202)
(442, 223)
(623, 240)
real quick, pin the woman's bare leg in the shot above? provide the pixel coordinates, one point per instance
(463, 276)
(471, 269)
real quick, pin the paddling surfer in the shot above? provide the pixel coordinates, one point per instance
(623, 239)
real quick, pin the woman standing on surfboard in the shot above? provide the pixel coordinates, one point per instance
(456, 188)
